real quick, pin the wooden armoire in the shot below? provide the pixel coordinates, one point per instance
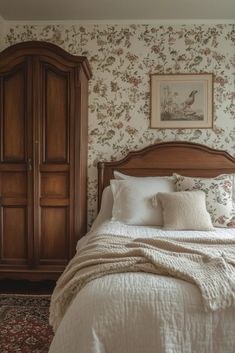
(43, 151)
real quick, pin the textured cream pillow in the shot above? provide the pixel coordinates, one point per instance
(185, 210)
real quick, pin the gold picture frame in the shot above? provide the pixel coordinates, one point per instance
(181, 101)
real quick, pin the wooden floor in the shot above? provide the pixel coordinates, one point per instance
(26, 287)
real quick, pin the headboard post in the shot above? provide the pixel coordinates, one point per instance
(100, 167)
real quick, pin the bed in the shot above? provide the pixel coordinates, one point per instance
(142, 311)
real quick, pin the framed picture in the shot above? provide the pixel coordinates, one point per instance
(182, 101)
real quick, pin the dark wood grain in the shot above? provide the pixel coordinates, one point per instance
(43, 150)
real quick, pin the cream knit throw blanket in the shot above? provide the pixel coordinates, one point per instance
(208, 263)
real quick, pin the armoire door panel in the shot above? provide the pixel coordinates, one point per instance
(54, 167)
(56, 116)
(54, 230)
(14, 184)
(14, 235)
(14, 115)
(54, 185)
(54, 202)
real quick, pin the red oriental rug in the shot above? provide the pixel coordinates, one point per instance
(24, 323)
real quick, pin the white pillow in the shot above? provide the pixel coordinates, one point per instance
(133, 200)
(106, 207)
(121, 176)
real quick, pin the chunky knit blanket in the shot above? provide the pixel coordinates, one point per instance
(209, 263)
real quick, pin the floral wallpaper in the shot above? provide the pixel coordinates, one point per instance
(122, 57)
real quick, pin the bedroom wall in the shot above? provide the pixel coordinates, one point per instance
(122, 57)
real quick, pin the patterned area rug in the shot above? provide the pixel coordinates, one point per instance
(24, 323)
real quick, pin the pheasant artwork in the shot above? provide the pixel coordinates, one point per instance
(180, 105)
(190, 100)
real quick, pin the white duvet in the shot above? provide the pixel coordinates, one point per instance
(143, 313)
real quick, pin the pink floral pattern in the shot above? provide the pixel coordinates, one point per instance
(122, 57)
(219, 196)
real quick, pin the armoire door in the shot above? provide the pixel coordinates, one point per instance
(53, 162)
(16, 177)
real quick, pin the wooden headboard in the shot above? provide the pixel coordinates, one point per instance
(186, 158)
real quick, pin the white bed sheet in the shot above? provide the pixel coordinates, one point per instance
(144, 313)
(111, 227)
